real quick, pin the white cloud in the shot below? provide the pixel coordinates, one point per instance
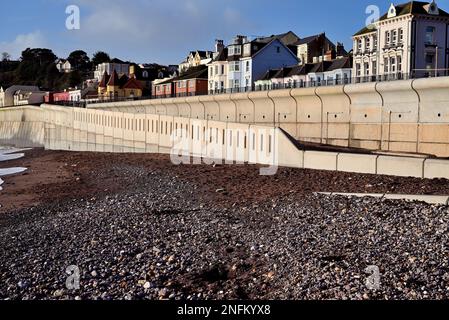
(23, 41)
(155, 30)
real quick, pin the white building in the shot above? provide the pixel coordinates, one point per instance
(335, 72)
(21, 95)
(218, 69)
(63, 66)
(122, 68)
(247, 61)
(410, 40)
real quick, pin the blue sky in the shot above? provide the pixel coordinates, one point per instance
(165, 31)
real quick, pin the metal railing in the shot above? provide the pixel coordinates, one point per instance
(417, 74)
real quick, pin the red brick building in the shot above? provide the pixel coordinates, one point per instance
(192, 83)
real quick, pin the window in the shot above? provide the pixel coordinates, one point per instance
(366, 66)
(394, 36)
(387, 37)
(247, 66)
(357, 69)
(235, 50)
(216, 70)
(430, 33)
(367, 43)
(375, 42)
(359, 45)
(211, 71)
(278, 49)
(234, 66)
(386, 69)
(222, 69)
(401, 35)
(392, 64)
(145, 74)
(399, 60)
(236, 83)
(374, 68)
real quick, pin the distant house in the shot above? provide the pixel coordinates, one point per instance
(335, 72)
(147, 73)
(195, 59)
(119, 87)
(318, 48)
(117, 65)
(191, 83)
(63, 66)
(218, 69)
(247, 61)
(21, 95)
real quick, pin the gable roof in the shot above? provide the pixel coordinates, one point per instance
(114, 80)
(273, 41)
(132, 83)
(412, 7)
(104, 80)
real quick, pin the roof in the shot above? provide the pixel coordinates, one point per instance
(114, 80)
(309, 39)
(200, 72)
(118, 61)
(287, 38)
(269, 74)
(104, 80)
(222, 55)
(412, 7)
(298, 70)
(132, 83)
(342, 63)
(283, 72)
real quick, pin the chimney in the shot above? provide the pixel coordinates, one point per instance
(340, 49)
(219, 45)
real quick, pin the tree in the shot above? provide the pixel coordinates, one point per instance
(6, 56)
(75, 79)
(79, 60)
(38, 56)
(100, 57)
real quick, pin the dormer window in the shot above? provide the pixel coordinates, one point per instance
(433, 8)
(392, 11)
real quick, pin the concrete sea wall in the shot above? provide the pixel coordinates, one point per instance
(399, 116)
(132, 130)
